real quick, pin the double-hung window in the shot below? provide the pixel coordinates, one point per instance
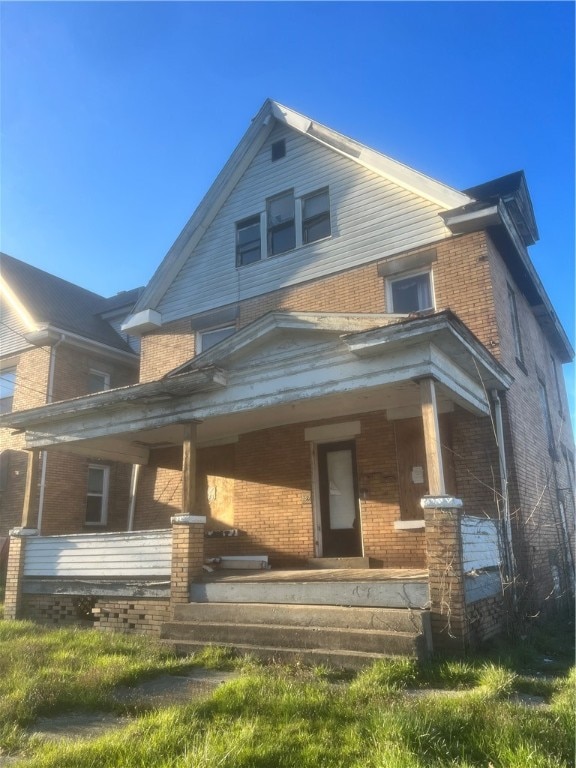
(410, 293)
(280, 219)
(315, 216)
(7, 385)
(248, 241)
(98, 381)
(515, 326)
(97, 494)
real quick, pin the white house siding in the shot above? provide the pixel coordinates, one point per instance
(371, 219)
(12, 330)
(106, 555)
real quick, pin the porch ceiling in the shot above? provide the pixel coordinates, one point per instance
(284, 375)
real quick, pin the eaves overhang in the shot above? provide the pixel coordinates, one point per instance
(447, 332)
(496, 220)
(45, 335)
(111, 400)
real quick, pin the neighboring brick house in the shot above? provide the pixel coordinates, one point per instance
(332, 337)
(59, 341)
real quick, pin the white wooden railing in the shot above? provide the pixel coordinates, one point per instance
(139, 554)
(480, 543)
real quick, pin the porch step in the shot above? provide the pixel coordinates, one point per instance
(386, 594)
(344, 637)
(339, 562)
(317, 616)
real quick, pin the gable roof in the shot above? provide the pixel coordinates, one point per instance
(51, 301)
(262, 124)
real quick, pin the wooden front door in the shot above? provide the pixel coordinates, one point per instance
(339, 511)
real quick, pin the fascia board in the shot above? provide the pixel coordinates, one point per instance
(48, 335)
(422, 185)
(209, 206)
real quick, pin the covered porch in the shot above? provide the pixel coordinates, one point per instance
(301, 437)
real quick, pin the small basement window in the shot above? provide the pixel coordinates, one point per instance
(411, 293)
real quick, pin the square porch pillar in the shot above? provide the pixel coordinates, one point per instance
(187, 555)
(15, 572)
(432, 444)
(448, 615)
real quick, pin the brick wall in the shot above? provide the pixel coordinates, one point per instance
(66, 474)
(535, 473)
(142, 616)
(461, 282)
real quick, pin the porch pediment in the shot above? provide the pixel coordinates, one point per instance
(283, 368)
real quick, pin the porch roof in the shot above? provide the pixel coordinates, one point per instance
(283, 368)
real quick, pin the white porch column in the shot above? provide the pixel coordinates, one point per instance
(432, 442)
(31, 489)
(189, 469)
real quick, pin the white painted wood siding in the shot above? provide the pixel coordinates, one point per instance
(371, 218)
(105, 555)
(480, 543)
(12, 331)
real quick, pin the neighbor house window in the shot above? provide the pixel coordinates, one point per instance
(411, 293)
(7, 384)
(315, 216)
(281, 223)
(98, 381)
(248, 241)
(97, 494)
(515, 325)
(209, 338)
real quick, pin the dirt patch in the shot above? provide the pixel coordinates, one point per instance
(165, 690)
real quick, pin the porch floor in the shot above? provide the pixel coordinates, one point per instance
(324, 575)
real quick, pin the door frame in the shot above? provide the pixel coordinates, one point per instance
(316, 504)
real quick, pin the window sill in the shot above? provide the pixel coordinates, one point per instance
(284, 253)
(409, 525)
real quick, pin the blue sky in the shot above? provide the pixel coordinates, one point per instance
(116, 117)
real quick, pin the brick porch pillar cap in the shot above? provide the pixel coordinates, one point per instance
(441, 502)
(187, 519)
(21, 532)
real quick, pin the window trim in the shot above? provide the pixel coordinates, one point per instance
(9, 369)
(547, 417)
(249, 221)
(303, 221)
(406, 276)
(105, 376)
(104, 496)
(200, 333)
(271, 228)
(266, 228)
(515, 320)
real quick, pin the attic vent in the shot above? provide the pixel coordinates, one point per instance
(278, 149)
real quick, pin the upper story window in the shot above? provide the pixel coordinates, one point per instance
(248, 241)
(278, 150)
(315, 216)
(410, 293)
(7, 385)
(545, 407)
(515, 326)
(213, 336)
(287, 223)
(98, 381)
(97, 494)
(280, 217)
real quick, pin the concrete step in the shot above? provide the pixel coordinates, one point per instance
(324, 638)
(342, 659)
(317, 616)
(386, 594)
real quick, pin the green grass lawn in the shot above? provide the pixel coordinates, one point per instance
(274, 716)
